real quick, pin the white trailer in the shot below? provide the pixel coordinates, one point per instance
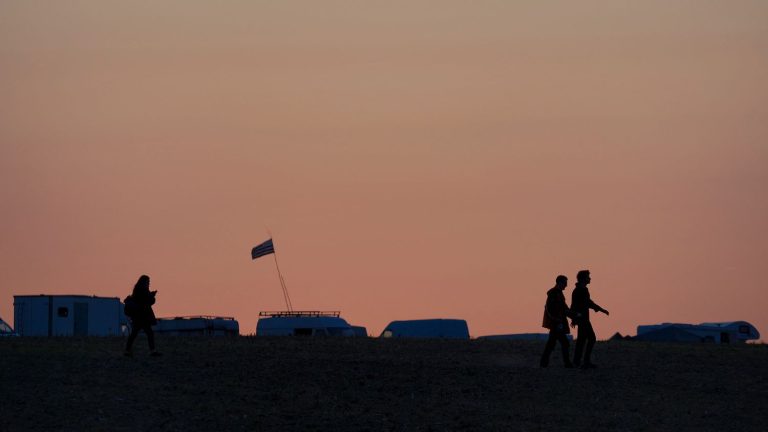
(68, 315)
(202, 325)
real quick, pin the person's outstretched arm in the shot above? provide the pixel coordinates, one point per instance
(597, 308)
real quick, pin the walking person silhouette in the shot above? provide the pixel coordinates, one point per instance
(138, 307)
(581, 303)
(555, 319)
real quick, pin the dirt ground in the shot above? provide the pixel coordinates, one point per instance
(346, 384)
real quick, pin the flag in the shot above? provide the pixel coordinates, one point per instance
(265, 248)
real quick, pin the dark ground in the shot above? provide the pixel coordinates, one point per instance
(345, 384)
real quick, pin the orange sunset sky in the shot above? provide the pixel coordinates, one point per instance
(413, 159)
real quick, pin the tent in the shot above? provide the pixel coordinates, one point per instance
(427, 328)
(618, 337)
(5, 329)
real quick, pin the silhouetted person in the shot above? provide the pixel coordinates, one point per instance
(555, 319)
(138, 307)
(581, 303)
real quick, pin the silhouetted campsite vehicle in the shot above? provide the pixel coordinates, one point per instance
(522, 336)
(306, 323)
(5, 329)
(427, 328)
(68, 315)
(724, 332)
(202, 325)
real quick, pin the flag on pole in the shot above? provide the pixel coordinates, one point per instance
(265, 248)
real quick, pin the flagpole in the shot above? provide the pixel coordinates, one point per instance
(282, 283)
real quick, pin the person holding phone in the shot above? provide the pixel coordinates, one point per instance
(138, 307)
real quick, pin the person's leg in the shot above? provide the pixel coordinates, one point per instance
(579, 345)
(548, 349)
(590, 335)
(565, 346)
(131, 337)
(150, 337)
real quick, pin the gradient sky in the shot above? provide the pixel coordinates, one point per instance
(412, 159)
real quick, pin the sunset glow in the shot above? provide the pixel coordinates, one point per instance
(411, 159)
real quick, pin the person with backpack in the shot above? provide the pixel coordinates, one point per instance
(555, 319)
(138, 307)
(581, 303)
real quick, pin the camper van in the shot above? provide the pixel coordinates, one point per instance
(305, 323)
(713, 332)
(427, 328)
(197, 326)
(68, 315)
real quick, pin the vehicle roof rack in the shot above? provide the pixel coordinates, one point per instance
(298, 314)
(208, 317)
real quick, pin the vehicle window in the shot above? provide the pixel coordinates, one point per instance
(302, 332)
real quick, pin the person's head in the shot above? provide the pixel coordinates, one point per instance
(142, 284)
(561, 282)
(583, 278)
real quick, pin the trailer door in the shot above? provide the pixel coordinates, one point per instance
(81, 319)
(18, 317)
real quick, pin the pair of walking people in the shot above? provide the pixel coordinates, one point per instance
(556, 314)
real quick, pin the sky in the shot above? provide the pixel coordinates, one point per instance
(411, 159)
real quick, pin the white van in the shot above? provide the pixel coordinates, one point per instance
(305, 323)
(427, 328)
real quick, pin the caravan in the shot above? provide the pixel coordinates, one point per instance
(713, 332)
(68, 315)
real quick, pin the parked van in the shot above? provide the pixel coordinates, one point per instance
(427, 328)
(202, 325)
(305, 323)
